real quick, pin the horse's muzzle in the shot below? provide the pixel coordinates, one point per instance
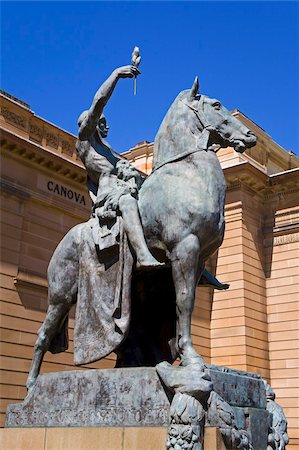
(250, 140)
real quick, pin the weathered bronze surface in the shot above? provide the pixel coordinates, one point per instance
(132, 270)
(177, 213)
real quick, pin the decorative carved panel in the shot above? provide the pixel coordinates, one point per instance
(14, 118)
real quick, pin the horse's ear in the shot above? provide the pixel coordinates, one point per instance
(194, 89)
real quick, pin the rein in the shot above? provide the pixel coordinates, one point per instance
(206, 127)
(182, 155)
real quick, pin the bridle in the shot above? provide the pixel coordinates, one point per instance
(199, 112)
(206, 129)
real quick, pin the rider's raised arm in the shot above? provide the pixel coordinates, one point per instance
(88, 120)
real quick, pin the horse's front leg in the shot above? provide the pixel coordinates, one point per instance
(185, 261)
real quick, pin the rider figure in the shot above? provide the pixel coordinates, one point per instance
(113, 182)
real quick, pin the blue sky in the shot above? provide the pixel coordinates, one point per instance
(56, 54)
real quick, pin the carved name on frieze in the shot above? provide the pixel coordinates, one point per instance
(54, 187)
(14, 118)
(66, 192)
(286, 239)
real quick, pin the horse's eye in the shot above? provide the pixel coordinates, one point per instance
(216, 105)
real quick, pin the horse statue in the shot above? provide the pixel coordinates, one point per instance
(181, 205)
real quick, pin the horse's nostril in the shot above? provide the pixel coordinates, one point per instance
(250, 133)
(226, 135)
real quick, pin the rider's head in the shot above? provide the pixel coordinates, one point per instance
(102, 126)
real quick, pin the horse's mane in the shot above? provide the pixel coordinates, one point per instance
(178, 131)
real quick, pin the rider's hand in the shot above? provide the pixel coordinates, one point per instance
(127, 72)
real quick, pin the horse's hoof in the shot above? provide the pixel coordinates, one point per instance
(195, 359)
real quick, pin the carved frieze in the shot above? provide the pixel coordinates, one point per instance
(35, 132)
(67, 148)
(51, 139)
(16, 119)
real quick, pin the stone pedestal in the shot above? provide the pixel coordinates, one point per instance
(131, 397)
(95, 439)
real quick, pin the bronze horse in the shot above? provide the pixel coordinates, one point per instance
(182, 211)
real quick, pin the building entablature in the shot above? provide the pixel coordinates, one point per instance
(39, 161)
(17, 118)
(247, 175)
(15, 146)
(266, 154)
(265, 171)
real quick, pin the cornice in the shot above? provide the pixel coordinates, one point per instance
(245, 175)
(141, 150)
(287, 175)
(272, 152)
(40, 143)
(14, 100)
(283, 183)
(15, 146)
(18, 113)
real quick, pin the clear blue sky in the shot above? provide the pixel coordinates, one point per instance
(56, 54)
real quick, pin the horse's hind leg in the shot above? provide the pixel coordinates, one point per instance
(184, 260)
(63, 273)
(55, 318)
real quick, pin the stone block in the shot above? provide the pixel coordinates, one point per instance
(144, 438)
(97, 397)
(95, 439)
(130, 397)
(84, 438)
(213, 439)
(238, 388)
(24, 439)
(119, 397)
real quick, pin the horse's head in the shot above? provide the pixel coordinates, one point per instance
(195, 121)
(224, 129)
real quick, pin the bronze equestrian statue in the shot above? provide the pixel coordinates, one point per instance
(133, 268)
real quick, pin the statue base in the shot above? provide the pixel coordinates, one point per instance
(96, 438)
(132, 397)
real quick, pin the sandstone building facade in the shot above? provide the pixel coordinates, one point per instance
(253, 326)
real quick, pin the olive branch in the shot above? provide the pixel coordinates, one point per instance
(136, 58)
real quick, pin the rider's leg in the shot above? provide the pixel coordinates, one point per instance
(132, 224)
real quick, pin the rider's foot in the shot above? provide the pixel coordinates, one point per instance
(207, 279)
(147, 263)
